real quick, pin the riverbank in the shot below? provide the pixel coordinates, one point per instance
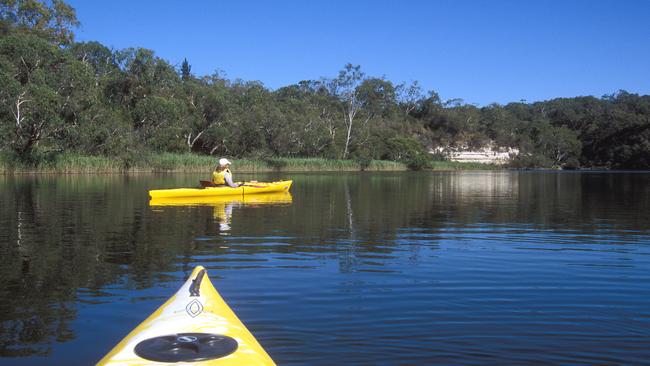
(168, 162)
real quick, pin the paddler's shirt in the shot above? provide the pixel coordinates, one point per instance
(223, 177)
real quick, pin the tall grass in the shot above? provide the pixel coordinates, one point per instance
(170, 162)
(318, 164)
(65, 163)
(198, 163)
(69, 163)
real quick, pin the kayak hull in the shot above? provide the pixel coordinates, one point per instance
(192, 310)
(247, 188)
(276, 198)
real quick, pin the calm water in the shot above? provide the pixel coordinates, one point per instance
(357, 269)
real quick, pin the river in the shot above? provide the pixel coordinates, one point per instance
(350, 268)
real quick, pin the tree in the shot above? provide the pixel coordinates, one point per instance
(315, 116)
(500, 126)
(378, 96)
(407, 150)
(409, 96)
(346, 88)
(45, 90)
(52, 19)
(207, 108)
(156, 123)
(548, 146)
(99, 57)
(186, 70)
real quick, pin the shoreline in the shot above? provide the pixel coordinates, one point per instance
(193, 163)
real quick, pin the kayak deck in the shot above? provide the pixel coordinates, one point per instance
(246, 188)
(195, 325)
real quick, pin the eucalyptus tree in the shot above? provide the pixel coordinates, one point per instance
(326, 116)
(500, 126)
(52, 20)
(208, 107)
(44, 91)
(100, 58)
(310, 119)
(346, 88)
(378, 95)
(409, 96)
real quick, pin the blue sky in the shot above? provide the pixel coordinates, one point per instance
(480, 51)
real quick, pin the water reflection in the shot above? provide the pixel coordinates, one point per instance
(349, 266)
(222, 206)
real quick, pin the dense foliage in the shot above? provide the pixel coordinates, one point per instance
(60, 96)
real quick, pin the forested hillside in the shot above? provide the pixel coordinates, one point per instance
(59, 96)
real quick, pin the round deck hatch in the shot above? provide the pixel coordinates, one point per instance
(186, 347)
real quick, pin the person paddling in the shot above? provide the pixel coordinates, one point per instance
(222, 175)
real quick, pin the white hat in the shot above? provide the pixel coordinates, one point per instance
(224, 162)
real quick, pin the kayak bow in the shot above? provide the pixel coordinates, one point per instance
(195, 325)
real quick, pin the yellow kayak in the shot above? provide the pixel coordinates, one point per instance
(246, 188)
(276, 198)
(195, 326)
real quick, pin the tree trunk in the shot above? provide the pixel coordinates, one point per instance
(349, 119)
(191, 141)
(347, 140)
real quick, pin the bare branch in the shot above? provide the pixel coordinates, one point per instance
(17, 110)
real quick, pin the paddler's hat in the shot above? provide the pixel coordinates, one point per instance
(224, 162)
